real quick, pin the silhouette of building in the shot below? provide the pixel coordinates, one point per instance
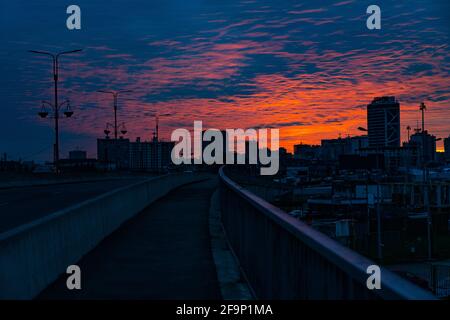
(78, 162)
(160, 154)
(306, 152)
(383, 122)
(355, 144)
(114, 152)
(139, 155)
(447, 148)
(430, 146)
(332, 149)
(77, 155)
(150, 155)
(285, 156)
(391, 158)
(361, 162)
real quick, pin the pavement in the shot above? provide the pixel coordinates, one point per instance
(162, 253)
(233, 283)
(25, 204)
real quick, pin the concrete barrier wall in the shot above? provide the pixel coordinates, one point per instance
(33, 255)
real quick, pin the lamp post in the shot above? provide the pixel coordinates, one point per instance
(115, 95)
(56, 106)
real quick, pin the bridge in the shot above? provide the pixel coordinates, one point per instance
(182, 236)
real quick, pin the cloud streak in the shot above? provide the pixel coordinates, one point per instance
(308, 70)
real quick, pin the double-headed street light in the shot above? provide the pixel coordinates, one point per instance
(43, 113)
(55, 105)
(115, 95)
(123, 129)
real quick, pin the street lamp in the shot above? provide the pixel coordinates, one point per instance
(107, 131)
(43, 113)
(115, 96)
(55, 105)
(122, 127)
(362, 129)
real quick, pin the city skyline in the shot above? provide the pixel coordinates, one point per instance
(305, 68)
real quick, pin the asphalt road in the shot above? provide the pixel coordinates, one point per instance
(25, 204)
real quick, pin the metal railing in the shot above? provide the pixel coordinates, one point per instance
(283, 258)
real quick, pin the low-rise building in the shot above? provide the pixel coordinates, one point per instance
(115, 152)
(427, 152)
(150, 155)
(332, 149)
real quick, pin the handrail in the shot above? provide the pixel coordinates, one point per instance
(350, 262)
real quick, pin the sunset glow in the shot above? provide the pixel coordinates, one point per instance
(307, 68)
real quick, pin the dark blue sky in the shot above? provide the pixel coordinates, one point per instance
(308, 67)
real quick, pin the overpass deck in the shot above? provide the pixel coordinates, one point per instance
(162, 253)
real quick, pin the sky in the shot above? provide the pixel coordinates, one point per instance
(308, 68)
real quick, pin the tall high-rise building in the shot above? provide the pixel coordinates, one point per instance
(383, 122)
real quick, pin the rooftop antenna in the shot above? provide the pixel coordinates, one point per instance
(422, 108)
(408, 128)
